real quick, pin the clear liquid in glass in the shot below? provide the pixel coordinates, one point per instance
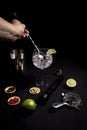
(42, 62)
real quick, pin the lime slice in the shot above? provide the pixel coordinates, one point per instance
(51, 51)
(71, 82)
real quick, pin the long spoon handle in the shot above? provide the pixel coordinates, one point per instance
(34, 43)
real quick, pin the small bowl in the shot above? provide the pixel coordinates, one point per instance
(10, 89)
(14, 100)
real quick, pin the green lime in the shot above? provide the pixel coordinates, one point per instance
(71, 82)
(51, 51)
(29, 104)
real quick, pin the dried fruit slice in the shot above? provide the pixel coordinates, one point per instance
(14, 100)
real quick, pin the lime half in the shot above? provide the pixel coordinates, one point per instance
(71, 82)
(29, 104)
(51, 51)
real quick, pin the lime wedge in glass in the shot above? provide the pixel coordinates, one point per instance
(51, 51)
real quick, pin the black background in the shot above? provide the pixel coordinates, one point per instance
(55, 25)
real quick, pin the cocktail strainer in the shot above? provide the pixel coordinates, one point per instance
(70, 99)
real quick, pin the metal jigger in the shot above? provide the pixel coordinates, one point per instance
(17, 60)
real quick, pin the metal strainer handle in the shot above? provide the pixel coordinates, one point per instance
(57, 104)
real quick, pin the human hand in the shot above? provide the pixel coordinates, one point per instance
(23, 32)
(12, 31)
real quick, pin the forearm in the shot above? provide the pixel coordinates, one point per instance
(12, 31)
(7, 30)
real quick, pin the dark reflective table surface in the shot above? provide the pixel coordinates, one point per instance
(44, 117)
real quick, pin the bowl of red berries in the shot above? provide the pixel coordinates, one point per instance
(14, 100)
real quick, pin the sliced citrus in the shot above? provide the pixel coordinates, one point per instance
(71, 82)
(51, 51)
